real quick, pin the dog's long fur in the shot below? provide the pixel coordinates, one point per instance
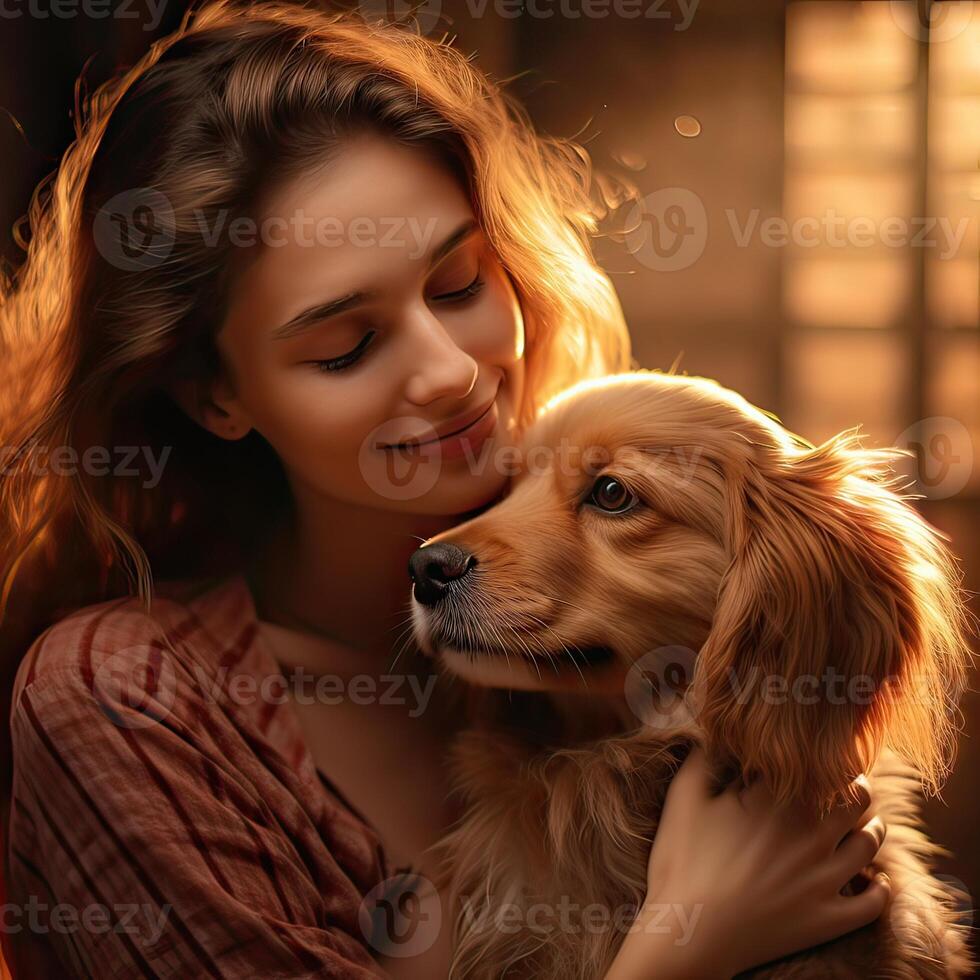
(764, 556)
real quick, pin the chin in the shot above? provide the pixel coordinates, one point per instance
(469, 494)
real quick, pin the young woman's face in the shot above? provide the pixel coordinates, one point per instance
(377, 313)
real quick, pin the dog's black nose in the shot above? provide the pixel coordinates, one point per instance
(433, 567)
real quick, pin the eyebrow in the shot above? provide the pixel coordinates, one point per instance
(321, 311)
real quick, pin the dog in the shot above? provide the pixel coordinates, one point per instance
(663, 539)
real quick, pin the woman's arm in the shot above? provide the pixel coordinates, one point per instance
(735, 881)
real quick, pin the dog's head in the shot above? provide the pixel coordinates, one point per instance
(651, 512)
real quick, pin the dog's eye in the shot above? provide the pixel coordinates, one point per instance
(610, 495)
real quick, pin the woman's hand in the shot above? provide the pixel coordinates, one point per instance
(735, 881)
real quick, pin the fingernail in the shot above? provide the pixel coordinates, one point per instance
(877, 825)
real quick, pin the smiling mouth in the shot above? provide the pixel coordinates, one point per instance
(449, 435)
(412, 443)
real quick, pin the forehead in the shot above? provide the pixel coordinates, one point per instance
(361, 220)
(375, 177)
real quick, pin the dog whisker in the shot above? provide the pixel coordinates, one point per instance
(564, 647)
(493, 629)
(505, 591)
(530, 655)
(403, 640)
(502, 643)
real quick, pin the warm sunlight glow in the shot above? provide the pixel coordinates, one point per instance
(847, 47)
(953, 282)
(850, 136)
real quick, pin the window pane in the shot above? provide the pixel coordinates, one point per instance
(953, 274)
(851, 164)
(848, 47)
(851, 290)
(837, 379)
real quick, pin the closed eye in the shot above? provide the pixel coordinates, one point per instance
(352, 356)
(345, 360)
(465, 293)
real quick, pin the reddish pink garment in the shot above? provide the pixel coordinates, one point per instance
(156, 788)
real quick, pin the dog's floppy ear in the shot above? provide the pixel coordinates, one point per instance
(839, 626)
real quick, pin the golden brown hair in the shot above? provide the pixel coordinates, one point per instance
(90, 346)
(831, 571)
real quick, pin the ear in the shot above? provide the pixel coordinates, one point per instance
(839, 627)
(212, 405)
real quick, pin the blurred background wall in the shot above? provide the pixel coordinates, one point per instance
(808, 224)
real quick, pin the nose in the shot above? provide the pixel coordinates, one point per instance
(443, 369)
(433, 567)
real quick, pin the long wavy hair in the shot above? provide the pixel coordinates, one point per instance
(236, 97)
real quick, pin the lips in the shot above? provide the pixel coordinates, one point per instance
(450, 428)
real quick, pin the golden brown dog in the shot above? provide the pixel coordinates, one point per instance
(661, 525)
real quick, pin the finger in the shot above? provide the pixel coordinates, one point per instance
(845, 817)
(756, 794)
(856, 851)
(691, 781)
(694, 768)
(850, 912)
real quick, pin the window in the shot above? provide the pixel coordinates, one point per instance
(881, 193)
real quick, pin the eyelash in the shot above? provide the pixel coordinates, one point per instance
(346, 360)
(467, 291)
(351, 357)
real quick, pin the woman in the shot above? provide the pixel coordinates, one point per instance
(285, 248)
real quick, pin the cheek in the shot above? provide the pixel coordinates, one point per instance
(320, 420)
(499, 322)
(314, 422)
(504, 327)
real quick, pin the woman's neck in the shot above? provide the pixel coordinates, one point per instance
(341, 570)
